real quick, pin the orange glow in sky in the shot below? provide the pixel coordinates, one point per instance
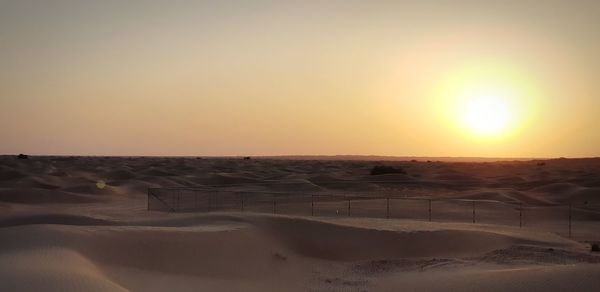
(404, 78)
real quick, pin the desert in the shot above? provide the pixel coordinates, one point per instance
(63, 231)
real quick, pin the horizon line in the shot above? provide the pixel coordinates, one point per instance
(283, 156)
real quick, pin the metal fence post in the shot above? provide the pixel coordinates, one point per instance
(520, 215)
(473, 211)
(348, 207)
(388, 207)
(429, 210)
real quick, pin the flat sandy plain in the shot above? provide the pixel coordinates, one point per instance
(60, 232)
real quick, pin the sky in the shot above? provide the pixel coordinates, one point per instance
(212, 78)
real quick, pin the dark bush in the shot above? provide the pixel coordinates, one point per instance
(247, 158)
(595, 247)
(382, 169)
(22, 156)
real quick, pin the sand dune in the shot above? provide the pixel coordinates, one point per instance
(536, 278)
(220, 250)
(348, 243)
(51, 269)
(61, 232)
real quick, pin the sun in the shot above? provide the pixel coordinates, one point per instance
(486, 101)
(486, 115)
(487, 112)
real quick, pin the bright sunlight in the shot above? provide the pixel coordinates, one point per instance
(487, 115)
(487, 100)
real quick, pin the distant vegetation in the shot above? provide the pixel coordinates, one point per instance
(382, 169)
(22, 156)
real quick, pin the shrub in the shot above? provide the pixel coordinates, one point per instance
(382, 169)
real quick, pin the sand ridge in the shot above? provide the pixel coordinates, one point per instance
(61, 232)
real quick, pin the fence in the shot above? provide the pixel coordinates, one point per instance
(554, 218)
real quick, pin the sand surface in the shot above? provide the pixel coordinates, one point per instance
(82, 224)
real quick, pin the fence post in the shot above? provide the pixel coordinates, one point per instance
(312, 205)
(570, 220)
(473, 211)
(429, 210)
(388, 207)
(348, 207)
(520, 215)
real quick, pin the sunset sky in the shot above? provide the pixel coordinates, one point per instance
(402, 78)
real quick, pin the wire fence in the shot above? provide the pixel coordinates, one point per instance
(555, 218)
